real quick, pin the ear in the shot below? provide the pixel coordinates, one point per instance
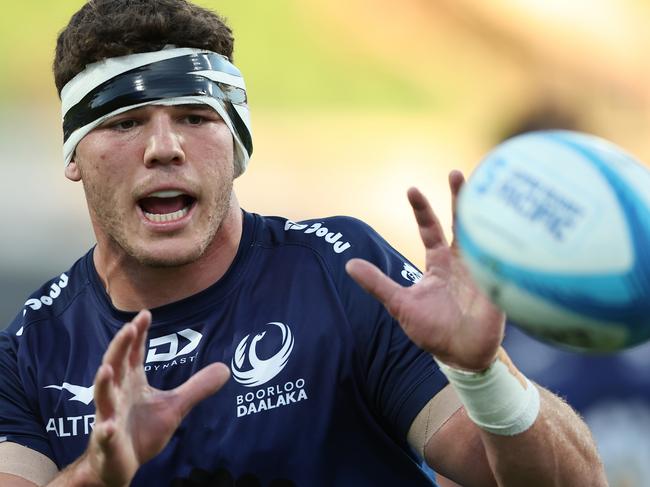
(72, 171)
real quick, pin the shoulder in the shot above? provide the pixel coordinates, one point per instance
(342, 237)
(335, 240)
(52, 298)
(330, 235)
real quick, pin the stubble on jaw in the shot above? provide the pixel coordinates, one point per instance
(102, 205)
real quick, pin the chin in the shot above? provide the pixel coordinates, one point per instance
(165, 262)
(166, 258)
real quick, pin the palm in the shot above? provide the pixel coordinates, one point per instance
(134, 421)
(444, 313)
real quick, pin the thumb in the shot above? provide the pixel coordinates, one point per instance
(204, 383)
(373, 280)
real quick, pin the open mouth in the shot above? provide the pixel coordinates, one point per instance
(166, 206)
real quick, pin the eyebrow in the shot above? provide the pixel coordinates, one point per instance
(184, 106)
(197, 106)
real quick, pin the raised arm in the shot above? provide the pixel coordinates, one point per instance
(133, 421)
(526, 436)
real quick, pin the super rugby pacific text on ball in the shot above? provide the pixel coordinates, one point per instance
(555, 228)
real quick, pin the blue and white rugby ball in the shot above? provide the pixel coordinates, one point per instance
(555, 228)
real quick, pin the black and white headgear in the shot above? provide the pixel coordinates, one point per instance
(172, 76)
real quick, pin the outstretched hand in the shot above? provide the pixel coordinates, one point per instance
(133, 420)
(444, 313)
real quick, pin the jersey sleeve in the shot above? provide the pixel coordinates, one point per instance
(19, 422)
(399, 377)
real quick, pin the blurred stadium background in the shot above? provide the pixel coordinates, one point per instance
(351, 105)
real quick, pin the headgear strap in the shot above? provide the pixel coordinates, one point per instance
(168, 77)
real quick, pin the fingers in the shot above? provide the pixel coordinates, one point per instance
(104, 393)
(126, 349)
(456, 181)
(430, 229)
(374, 281)
(104, 431)
(117, 352)
(141, 323)
(204, 383)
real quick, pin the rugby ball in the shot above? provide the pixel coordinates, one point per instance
(554, 226)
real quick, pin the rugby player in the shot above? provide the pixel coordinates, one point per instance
(349, 366)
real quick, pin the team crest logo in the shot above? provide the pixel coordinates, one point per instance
(410, 273)
(260, 370)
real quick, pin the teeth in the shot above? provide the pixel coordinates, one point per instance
(171, 193)
(167, 217)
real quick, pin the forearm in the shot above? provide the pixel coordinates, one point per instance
(556, 450)
(77, 474)
(513, 433)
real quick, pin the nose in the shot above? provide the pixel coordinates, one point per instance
(164, 142)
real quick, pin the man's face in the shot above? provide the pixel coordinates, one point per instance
(158, 181)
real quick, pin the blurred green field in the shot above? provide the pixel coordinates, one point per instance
(289, 55)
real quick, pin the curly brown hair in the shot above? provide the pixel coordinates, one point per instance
(109, 28)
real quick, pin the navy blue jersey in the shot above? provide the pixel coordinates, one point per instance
(324, 386)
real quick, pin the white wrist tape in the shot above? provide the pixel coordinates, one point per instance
(499, 400)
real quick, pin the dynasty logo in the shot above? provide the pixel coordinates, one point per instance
(172, 350)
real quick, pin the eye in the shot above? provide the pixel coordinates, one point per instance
(194, 119)
(124, 125)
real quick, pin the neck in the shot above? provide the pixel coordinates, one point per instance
(133, 286)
